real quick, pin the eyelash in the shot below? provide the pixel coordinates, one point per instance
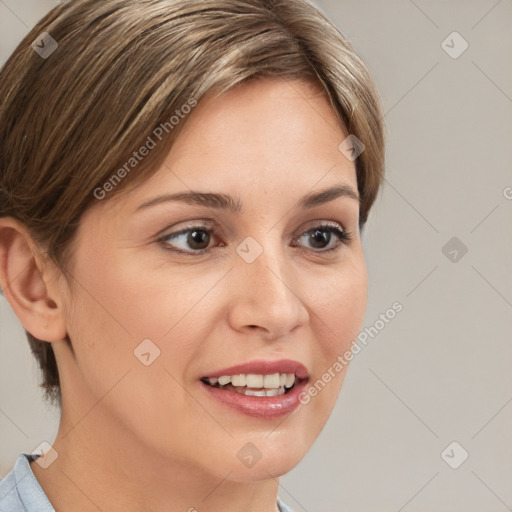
(344, 238)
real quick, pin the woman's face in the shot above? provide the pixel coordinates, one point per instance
(262, 283)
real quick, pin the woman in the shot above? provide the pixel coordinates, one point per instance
(183, 189)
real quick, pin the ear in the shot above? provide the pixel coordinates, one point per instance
(30, 282)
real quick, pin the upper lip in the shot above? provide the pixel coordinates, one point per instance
(264, 367)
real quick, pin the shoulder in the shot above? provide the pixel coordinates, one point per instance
(20, 491)
(283, 507)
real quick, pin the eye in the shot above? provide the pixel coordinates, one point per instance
(195, 240)
(196, 237)
(322, 235)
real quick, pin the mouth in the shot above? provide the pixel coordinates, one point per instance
(259, 385)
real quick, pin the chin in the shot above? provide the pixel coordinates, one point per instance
(266, 469)
(266, 457)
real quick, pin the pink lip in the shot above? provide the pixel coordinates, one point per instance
(259, 407)
(262, 367)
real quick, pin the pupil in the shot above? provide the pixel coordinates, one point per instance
(198, 237)
(319, 235)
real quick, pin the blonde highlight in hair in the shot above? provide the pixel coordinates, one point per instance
(70, 121)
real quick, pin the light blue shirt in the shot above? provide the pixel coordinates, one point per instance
(20, 491)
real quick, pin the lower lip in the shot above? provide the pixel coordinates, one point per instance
(259, 406)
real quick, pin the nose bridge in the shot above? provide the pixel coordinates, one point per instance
(266, 286)
(267, 276)
(265, 262)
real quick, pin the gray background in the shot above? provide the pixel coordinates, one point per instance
(440, 370)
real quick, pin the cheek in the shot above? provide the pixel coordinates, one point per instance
(132, 300)
(121, 313)
(337, 302)
(339, 307)
(345, 311)
(128, 305)
(340, 303)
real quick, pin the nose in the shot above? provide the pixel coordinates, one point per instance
(266, 296)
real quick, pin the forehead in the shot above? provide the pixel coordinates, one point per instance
(265, 135)
(251, 115)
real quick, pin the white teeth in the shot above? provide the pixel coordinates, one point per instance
(271, 381)
(274, 381)
(263, 392)
(253, 392)
(275, 392)
(238, 380)
(254, 381)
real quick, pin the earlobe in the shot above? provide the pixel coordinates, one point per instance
(29, 284)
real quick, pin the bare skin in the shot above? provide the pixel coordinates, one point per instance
(138, 438)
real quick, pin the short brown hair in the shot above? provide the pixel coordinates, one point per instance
(71, 120)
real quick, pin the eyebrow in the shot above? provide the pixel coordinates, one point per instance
(234, 205)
